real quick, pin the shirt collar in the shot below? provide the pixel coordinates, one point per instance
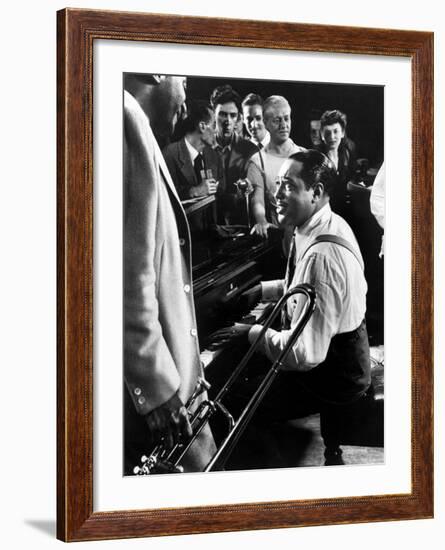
(323, 215)
(193, 152)
(264, 141)
(229, 146)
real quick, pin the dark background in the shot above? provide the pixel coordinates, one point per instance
(362, 104)
(364, 107)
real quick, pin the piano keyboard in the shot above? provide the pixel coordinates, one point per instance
(257, 315)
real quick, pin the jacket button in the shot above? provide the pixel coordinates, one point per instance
(141, 400)
(193, 332)
(181, 242)
(187, 288)
(137, 391)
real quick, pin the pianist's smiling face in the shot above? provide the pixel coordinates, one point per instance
(296, 202)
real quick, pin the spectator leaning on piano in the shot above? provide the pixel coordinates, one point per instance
(234, 151)
(192, 162)
(161, 350)
(264, 166)
(330, 361)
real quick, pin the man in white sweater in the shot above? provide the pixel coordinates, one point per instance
(264, 166)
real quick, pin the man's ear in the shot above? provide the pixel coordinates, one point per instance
(202, 125)
(318, 190)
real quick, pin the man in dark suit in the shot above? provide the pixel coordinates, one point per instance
(192, 162)
(234, 151)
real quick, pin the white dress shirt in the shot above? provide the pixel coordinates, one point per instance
(192, 151)
(264, 142)
(340, 287)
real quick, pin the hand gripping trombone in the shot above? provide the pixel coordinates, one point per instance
(162, 460)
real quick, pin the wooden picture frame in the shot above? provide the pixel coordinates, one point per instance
(77, 31)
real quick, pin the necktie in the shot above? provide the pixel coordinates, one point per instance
(260, 146)
(290, 270)
(198, 166)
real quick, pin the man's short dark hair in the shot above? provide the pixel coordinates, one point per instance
(197, 111)
(331, 117)
(317, 168)
(252, 99)
(225, 94)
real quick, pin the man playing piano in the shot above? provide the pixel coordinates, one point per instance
(330, 361)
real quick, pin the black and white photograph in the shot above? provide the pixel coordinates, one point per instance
(222, 227)
(253, 267)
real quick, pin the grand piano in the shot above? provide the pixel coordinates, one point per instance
(226, 261)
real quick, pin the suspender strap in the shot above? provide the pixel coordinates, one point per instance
(328, 238)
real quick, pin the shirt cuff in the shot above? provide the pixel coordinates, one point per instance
(271, 291)
(263, 346)
(253, 333)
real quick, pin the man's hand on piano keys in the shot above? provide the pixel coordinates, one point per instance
(238, 330)
(222, 339)
(250, 298)
(261, 229)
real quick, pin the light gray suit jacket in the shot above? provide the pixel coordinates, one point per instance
(161, 351)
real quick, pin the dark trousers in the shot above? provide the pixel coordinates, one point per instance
(343, 377)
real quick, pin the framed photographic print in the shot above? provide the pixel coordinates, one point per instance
(198, 160)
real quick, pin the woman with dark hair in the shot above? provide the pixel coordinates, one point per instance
(342, 153)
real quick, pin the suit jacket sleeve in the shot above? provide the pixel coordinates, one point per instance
(150, 371)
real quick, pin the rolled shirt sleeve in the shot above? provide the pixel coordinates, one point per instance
(271, 291)
(256, 177)
(312, 346)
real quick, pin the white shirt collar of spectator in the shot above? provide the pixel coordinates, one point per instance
(264, 142)
(192, 151)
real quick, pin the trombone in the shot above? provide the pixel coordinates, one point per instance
(162, 460)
